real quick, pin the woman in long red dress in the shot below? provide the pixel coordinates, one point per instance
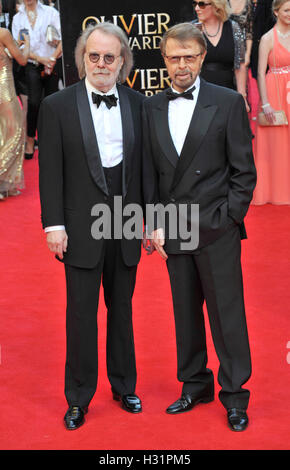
(272, 144)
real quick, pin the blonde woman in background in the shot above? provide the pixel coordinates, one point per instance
(12, 129)
(224, 62)
(272, 143)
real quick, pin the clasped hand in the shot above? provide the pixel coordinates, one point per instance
(158, 240)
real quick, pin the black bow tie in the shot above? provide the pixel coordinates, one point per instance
(110, 100)
(186, 94)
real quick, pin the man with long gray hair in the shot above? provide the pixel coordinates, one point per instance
(89, 152)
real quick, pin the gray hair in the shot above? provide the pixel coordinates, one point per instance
(107, 28)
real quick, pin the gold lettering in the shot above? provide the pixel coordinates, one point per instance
(146, 42)
(94, 18)
(131, 83)
(143, 86)
(127, 29)
(164, 78)
(115, 20)
(156, 41)
(140, 25)
(133, 42)
(162, 23)
(149, 23)
(151, 78)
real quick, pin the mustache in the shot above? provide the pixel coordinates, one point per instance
(103, 71)
(184, 72)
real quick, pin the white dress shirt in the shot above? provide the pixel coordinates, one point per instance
(46, 16)
(108, 128)
(180, 112)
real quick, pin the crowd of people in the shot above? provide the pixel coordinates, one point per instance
(247, 49)
(30, 55)
(246, 41)
(233, 30)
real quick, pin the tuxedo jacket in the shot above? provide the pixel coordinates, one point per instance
(215, 168)
(71, 176)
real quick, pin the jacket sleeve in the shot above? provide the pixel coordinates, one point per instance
(241, 160)
(50, 166)
(150, 179)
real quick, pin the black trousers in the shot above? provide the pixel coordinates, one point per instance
(83, 287)
(214, 275)
(38, 87)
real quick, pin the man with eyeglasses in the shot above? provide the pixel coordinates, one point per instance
(90, 152)
(198, 150)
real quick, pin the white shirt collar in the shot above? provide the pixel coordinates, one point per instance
(90, 88)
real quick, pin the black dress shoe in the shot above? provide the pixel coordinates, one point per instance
(74, 417)
(187, 402)
(237, 419)
(28, 156)
(130, 402)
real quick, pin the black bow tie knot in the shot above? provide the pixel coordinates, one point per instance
(186, 94)
(110, 100)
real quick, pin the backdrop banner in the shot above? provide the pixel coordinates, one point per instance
(144, 23)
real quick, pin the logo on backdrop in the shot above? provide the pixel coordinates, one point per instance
(144, 34)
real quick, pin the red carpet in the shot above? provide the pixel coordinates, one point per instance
(32, 339)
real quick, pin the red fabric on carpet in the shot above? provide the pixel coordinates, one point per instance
(32, 339)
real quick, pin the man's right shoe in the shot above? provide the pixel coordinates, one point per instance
(186, 402)
(75, 417)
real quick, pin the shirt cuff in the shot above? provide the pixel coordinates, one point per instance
(54, 228)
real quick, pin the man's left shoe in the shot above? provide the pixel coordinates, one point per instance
(237, 419)
(130, 402)
(187, 402)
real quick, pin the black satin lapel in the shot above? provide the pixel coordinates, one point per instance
(200, 122)
(89, 138)
(160, 116)
(128, 137)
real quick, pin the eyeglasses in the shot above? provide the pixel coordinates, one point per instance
(108, 58)
(201, 5)
(188, 59)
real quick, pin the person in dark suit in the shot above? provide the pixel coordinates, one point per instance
(263, 21)
(90, 152)
(198, 152)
